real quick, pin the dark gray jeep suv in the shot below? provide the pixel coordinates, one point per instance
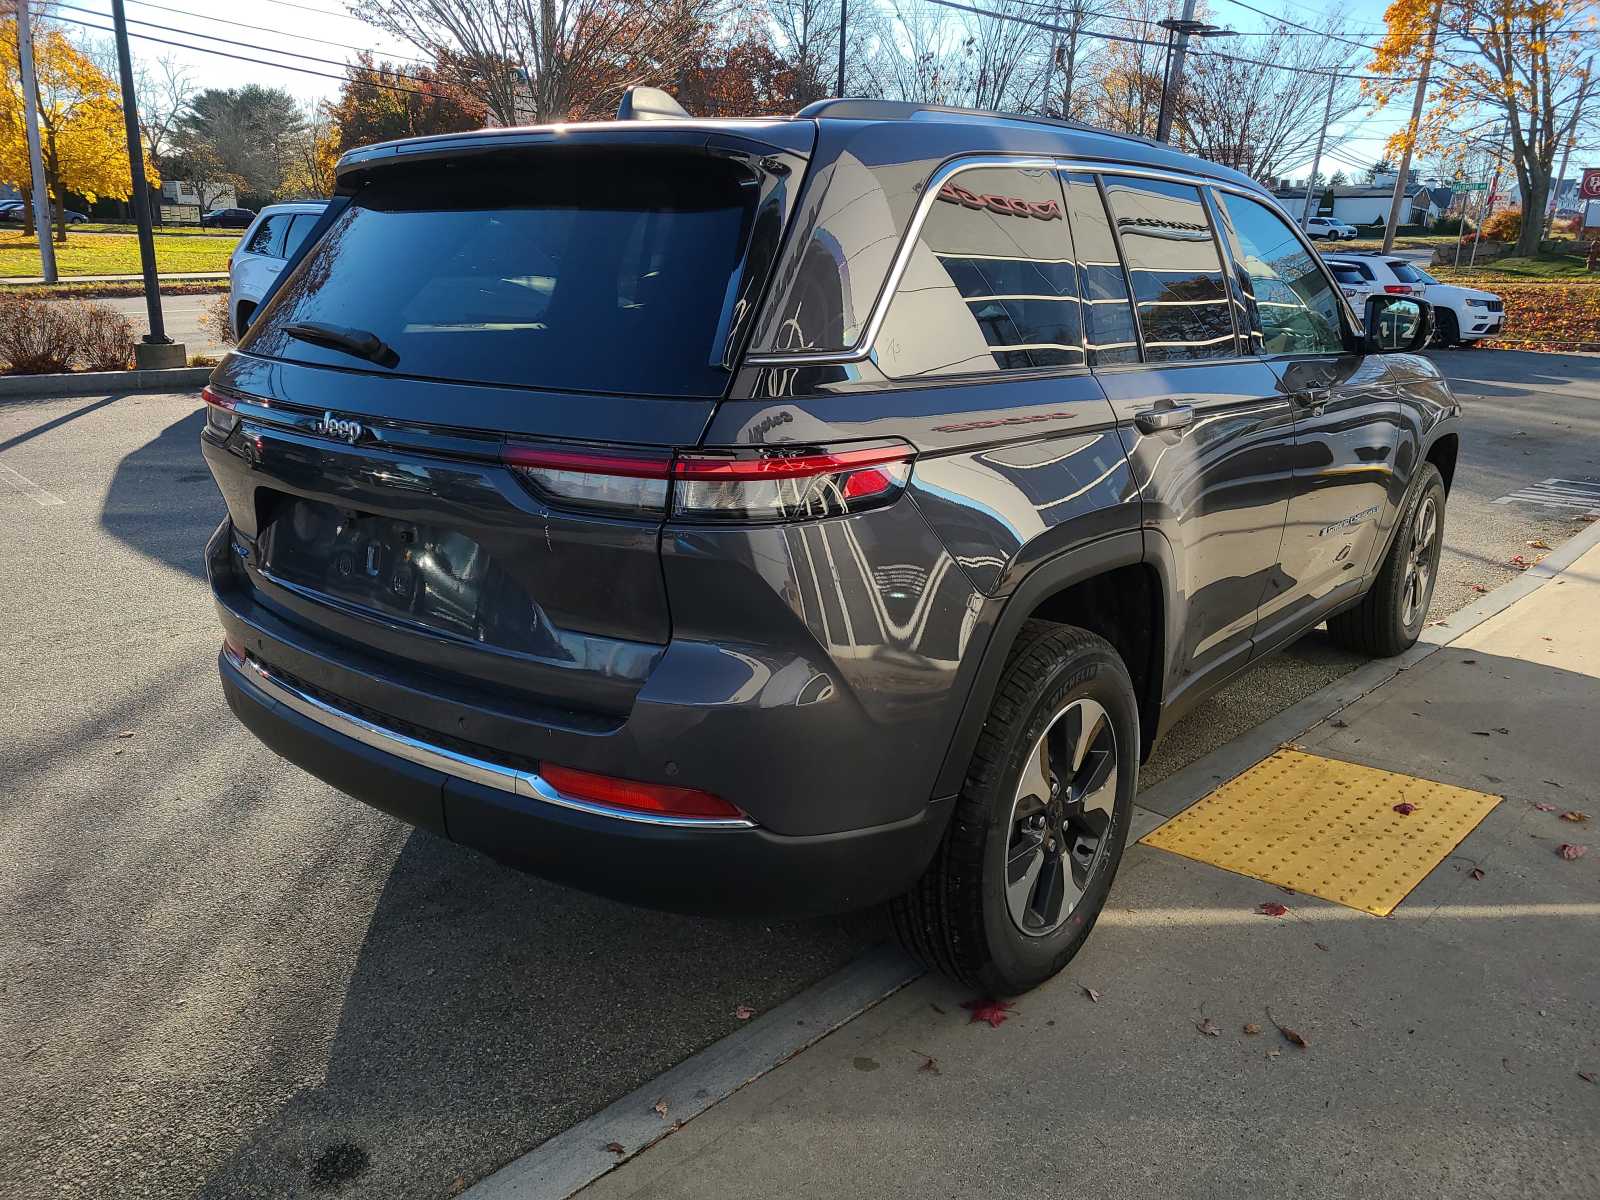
(793, 515)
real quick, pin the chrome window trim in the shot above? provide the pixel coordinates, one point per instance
(863, 347)
(527, 784)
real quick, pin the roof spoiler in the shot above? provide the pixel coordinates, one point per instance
(649, 104)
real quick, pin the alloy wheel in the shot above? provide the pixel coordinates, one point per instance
(1060, 817)
(1417, 588)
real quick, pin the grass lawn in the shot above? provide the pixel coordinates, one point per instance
(114, 254)
(161, 230)
(1402, 241)
(1568, 268)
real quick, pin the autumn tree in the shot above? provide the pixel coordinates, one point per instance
(379, 101)
(1523, 64)
(81, 133)
(315, 156)
(804, 37)
(248, 134)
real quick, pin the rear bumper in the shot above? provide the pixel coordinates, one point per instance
(514, 816)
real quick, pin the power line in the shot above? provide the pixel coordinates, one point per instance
(304, 37)
(1261, 12)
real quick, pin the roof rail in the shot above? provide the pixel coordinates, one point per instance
(641, 103)
(850, 109)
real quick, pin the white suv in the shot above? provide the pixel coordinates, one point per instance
(1463, 316)
(1329, 227)
(272, 238)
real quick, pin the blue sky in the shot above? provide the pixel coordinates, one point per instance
(322, 29)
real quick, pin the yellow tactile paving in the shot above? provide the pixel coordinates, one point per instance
(1327, 828)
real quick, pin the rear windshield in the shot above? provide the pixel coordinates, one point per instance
(1345, 274)
(587, 270)
(1404, 271)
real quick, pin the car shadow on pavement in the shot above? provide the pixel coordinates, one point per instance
(162, 500)
(488, 1010)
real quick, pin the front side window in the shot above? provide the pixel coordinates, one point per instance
(1296, 310)
(1175, 268)
(989, 285)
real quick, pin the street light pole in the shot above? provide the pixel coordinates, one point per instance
(1316, 160)
(156, 349)
(30, 110)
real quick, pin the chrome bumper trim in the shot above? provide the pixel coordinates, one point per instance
(526, 784)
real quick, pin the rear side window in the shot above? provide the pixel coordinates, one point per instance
(1107, 307)
(989, 285)
(299, 226)
(1176, 271)
(1345, 274)
(573, 269)
(268, 236)
(1296, 309)
(1404, 271)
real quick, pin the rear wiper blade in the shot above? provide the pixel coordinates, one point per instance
(362, 343)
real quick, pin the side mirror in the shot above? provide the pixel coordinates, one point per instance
(1396, 324)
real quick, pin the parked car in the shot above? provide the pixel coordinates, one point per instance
(270, 241)
(1463, 316)
(1381, 273)
(791, 515)
(14, 210)
(228, 218)
(1329, 227)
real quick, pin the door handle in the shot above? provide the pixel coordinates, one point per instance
(1312, 402)
(1165, 416)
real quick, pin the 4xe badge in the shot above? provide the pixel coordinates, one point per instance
(342, 428)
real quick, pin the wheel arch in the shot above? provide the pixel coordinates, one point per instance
(1442, 453)
(1109, 587)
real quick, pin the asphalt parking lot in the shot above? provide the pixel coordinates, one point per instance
(223, 978)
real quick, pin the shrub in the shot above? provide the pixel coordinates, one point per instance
(214, 320)
(105, 338)
(1503, 226)
(37, 337)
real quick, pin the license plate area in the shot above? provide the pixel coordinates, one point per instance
(423, 574)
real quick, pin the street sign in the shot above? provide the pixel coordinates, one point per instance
(1472, 187)
(1589, 189)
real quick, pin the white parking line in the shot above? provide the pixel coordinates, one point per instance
(1578, 495)
(15, 481)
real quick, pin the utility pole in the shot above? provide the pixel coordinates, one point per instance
(1316, 159)
(1173, 75)
(156, 349)
(30, 110)
(1411, 136)
(844, 23)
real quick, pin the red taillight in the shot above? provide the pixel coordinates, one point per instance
(741, 485)
(1397, 289)
(658, 798)
(220, 414)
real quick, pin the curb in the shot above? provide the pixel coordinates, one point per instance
(86, 383)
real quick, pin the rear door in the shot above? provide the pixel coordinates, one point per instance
(453, 417)
(1346, 418)
(1209, 432)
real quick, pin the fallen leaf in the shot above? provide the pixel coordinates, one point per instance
(614, 1148)
(994, 1012)
(1405, 808)
(744, 1012)
(1539, 544)
(126, 733)
(1092, 994)
(660, 1107)
(1588, 1077)
(1476, 872)
(1252, 1029)
(1570, 852)
(1518, 562)
(1320, 946)
(1541, 806)
(1289, 1035)
(930, 1065)
(1274, 1053)
(1337, 722)
(1478, 587)
(1208, 1027)
(1574, 816)
(1271, 908)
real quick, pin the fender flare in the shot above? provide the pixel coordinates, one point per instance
(1004, 616)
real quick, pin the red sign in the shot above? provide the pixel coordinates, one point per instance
(1015, 206)
(1590, 188)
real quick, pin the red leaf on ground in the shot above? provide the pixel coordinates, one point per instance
(1252, 1029)
(1271, 908)
(1405, 808)
(1477, 872)
(1478, 587)
(1574, 816)
(994, 1012)
(1289, 1035)
(1520, 563)
(744, 1012)
(1539, 807)
(930, 1064)
(1570, 852)
(614, 1148)
(1092, 994)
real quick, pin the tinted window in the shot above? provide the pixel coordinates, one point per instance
(1404, 271)
(593, 270)
(1295, 308)
(1107, 308)
(989, 285)
(1175, 269)
(268, 236)
(1345, 274)
(299, 226)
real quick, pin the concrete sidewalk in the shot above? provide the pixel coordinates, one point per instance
(1453, 1048)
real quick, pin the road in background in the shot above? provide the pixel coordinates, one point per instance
(221, 977)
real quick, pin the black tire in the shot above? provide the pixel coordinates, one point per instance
(959, 918)
(1392, 613)
(1447, 332)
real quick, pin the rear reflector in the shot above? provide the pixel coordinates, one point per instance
(730, 485)
(658, 798)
